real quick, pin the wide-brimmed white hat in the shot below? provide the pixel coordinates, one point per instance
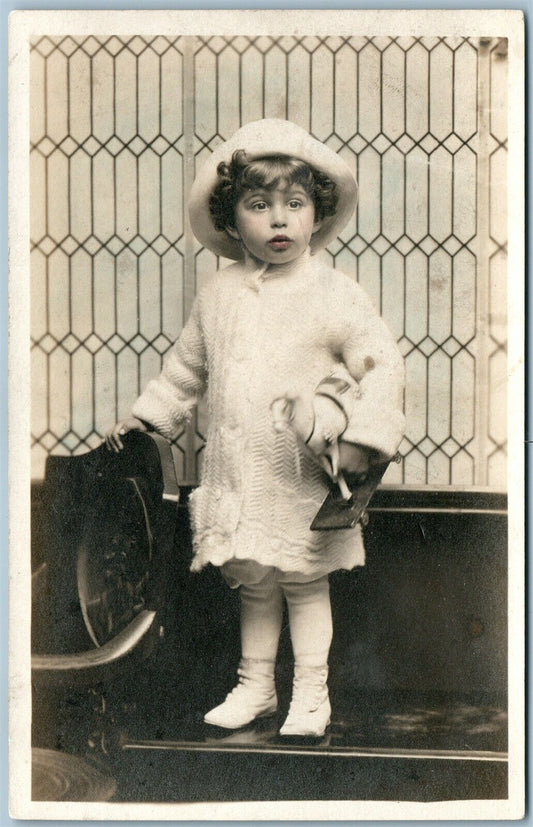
(261, 139)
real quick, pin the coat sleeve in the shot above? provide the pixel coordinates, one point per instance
(168, 401)
(372, 358)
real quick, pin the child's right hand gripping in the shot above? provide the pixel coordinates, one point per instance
(321, 424)
(112, 437)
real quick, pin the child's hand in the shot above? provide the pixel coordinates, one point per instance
(112, 437)
(353, 458)
(328, 424)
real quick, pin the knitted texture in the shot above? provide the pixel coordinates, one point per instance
(251, 338)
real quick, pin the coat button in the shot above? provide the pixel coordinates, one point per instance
(218, 493)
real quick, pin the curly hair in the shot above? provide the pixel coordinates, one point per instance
(266, 173)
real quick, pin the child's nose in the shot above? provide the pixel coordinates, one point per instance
(278, 216)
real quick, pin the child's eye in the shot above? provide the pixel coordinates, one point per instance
(259, 206)
(294, 204)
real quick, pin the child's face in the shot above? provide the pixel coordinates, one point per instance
(275, 225)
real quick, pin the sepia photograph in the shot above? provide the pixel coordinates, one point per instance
(267, 489)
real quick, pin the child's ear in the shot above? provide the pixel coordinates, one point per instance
(233, 232)
(317, 225)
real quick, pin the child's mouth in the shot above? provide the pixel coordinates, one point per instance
(279, 242)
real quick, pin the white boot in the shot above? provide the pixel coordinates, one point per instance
(253, 697)
(310, 709)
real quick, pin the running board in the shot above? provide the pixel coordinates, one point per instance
(320, 751)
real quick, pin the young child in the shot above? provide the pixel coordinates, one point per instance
(277, 330)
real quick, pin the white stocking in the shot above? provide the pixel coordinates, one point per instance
(261, 618)
(310, 621)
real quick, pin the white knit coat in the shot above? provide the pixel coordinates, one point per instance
(250, 339)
